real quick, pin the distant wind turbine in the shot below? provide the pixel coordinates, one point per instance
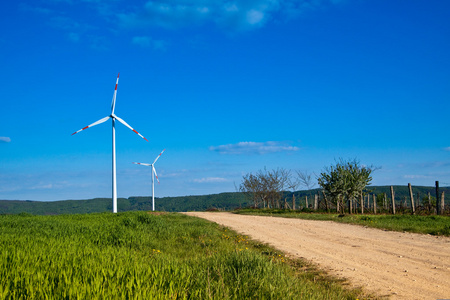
(113, 118)
(153, 180)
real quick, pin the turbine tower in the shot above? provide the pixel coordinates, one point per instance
(113, 118)
(153, 174)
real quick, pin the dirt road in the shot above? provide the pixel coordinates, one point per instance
(394, 264)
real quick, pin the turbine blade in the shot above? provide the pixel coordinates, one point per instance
(125, 123)
(141, 164)
(156, 175)
(113, 102)
(159, 155)
(93, 124)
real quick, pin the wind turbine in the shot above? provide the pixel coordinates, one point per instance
(153, 180)
(113, 118)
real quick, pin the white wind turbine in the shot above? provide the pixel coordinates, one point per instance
(113, 118)
(153, 180)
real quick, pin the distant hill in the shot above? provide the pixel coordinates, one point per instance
(224, 201)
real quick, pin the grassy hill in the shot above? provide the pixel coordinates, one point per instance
(225, 201)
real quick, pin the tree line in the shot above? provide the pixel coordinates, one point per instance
(265, 188)
(344, 187)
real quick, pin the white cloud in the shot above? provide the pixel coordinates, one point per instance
(145, 41)
(234, 15)
(42, 186)
(167, 14)
(254, 17)
(66, 23)
(230, 16)
(5, 139)
(416, 176)
(74, 37)
(210, 180)
(254, 148)
(36, 9)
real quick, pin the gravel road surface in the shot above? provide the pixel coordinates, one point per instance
(393, 264)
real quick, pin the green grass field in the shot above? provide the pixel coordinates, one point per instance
(434, 225)
(137, 255)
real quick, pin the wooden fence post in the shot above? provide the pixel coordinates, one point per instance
(368, 202)
(374, 199)
(413, 208)
(316, 201)
(438, 206)
(393, 199)
(293, 201)
(442, 202)
(362, 203)
(306, 201)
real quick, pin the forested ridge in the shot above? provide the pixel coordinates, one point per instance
(222, 201)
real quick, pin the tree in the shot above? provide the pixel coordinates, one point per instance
(265, 187)
(345, 181)
(307, 181)
(292, 184)
(253, 188)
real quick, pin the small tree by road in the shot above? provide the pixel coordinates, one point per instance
(265, 188)
(308, 181)
(345, 181)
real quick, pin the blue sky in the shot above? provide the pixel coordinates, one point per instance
(226, 87)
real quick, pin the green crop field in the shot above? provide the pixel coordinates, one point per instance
(137, 255)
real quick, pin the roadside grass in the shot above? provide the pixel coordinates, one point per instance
(138, 255)
(434, 225)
